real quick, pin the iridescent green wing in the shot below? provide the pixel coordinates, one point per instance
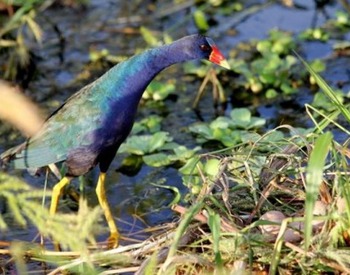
(66, 129)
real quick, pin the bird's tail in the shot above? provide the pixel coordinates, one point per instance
(7, 156)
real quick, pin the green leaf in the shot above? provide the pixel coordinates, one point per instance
(241, 117)
(211, 167)
(287, 89)
(220, 122)
(151, 266)
(263, 46)
(145, 144)
(314, 177)
(267, 78)
(214, 225)
(321, 100)
(318, 65)
(227, 137)
(271, 93)
(256, 122)
(274, 136)
(152, 123)
(131, 165)
(249, 136)
(169, 146)
(326, 89)
(158, 91)
(200, 20)
(201, 129)
(191, 166)
(157, 160)
(185, 221)
(148, 36)
(137, 145)
(158, 140)
(183, 153)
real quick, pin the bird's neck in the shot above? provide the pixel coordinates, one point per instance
(165, 56)
(152, 61)
(124, 84)
(134, 75)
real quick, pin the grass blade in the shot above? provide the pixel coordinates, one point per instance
(187, 218)
(214, 225)
(326, 89)
(276, 257)
(314, 177)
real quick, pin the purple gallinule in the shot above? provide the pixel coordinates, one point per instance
(89, 127)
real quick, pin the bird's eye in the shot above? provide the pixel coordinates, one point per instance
(205, 48)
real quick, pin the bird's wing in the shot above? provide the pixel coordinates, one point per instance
(67, 128)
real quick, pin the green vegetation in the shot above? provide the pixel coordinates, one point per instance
(235, 170)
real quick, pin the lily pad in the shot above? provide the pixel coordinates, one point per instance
(145, 144)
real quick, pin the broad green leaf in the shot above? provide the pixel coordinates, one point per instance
(322, 101)
(256, 122)
(182, 152)
(169, 146)
(274, 136)
(241, 117)
(191, 166)
(249, 136)
(227, 137)
(263, 46)
(131, 165)
(157, 160)
(287, 89)
(267, 78)
(137, 145)
(212, 166)
(201, 129)
(220, 122)
(157, 140)
(144, 144)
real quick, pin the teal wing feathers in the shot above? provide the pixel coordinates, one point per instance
(67, 128)
(99, 115)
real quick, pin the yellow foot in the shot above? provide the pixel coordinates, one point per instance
(113, 241)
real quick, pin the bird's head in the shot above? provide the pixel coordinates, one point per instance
(199, 46)
(212, 53)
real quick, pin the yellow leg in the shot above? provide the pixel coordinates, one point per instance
(101, 195)
(56, 193)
